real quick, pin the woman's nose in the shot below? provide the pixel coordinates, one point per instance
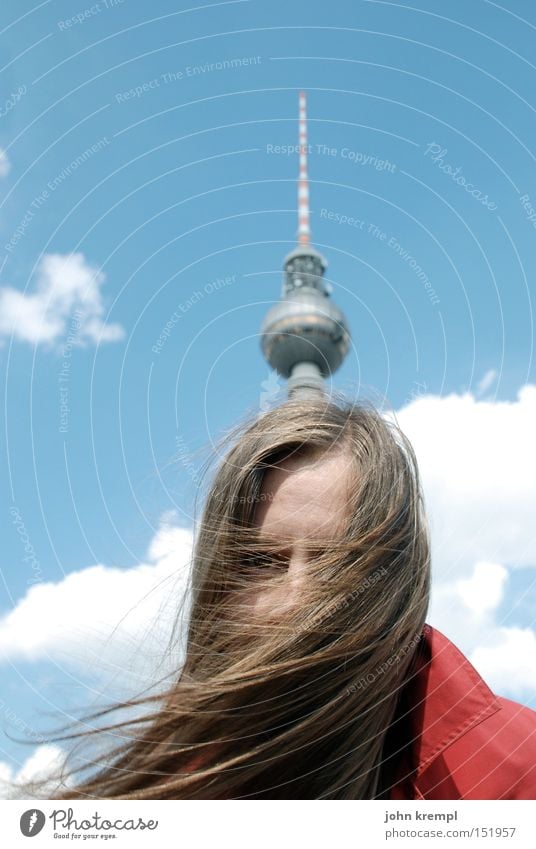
(296, 564)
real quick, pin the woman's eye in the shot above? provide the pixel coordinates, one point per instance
(275, 560)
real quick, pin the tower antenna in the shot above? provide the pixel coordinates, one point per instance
(304, 230)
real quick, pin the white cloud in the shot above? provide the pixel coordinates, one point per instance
(5, 164)
(109, 626)
(39, 766)
(478, 466)
(106, 622)
(483, 591)
(66, 304)
(509, 660)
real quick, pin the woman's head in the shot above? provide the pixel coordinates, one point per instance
(310, 491)
(309, 590)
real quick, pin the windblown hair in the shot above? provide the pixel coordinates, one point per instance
(297, 706)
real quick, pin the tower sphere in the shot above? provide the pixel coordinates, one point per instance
(306, 326)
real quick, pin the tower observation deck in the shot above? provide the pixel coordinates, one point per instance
(305, 337)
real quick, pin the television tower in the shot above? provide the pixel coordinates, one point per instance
(304, 337)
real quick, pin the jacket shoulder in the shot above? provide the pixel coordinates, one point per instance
(495, 759)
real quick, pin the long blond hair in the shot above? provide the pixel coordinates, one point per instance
(297, 707)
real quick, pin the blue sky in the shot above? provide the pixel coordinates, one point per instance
(143, 174)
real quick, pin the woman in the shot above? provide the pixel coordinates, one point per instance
(309, 671)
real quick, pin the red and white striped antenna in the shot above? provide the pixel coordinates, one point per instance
(304, 231)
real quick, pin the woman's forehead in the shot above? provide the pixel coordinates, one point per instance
(305, 498)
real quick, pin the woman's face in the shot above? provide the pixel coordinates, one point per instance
(304, 500)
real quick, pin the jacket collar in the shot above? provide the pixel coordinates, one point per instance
(445, 697)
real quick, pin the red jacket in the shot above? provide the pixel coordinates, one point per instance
(453, 738)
